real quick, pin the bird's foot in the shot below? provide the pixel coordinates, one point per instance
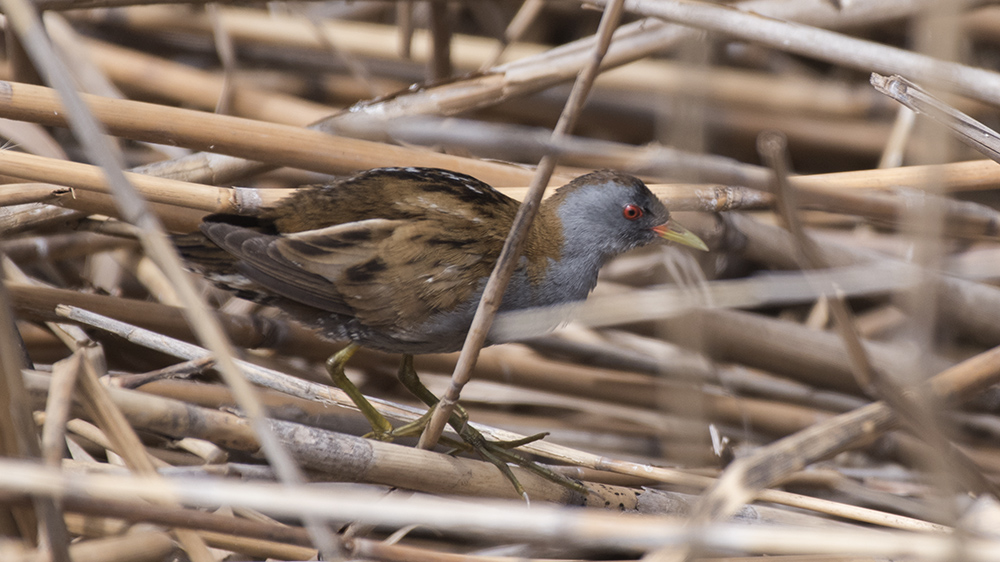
(499, 453)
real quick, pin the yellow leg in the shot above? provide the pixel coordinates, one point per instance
(381, 429)
(408, 376)
(497, 452)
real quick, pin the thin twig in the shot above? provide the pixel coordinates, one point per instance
(440, 28)
(497, 283)
(227, 55)
(43, 519)
(525, 15)
(967, 129)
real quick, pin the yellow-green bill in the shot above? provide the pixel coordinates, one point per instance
(677, 233)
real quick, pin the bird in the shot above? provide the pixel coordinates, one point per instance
(396, 259)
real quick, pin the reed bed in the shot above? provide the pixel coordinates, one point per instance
(820, 386)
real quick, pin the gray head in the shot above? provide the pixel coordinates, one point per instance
(607, 213)
(601, 215)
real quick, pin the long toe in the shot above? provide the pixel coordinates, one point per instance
(501, 454)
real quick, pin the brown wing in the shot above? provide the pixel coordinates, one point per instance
(259, 262)
(395, 274)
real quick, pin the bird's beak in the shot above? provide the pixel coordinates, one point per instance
(677, 233)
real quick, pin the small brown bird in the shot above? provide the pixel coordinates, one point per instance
(396, 259)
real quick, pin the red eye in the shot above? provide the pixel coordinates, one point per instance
(632, 212)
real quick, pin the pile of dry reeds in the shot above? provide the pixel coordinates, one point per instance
(820, 386)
